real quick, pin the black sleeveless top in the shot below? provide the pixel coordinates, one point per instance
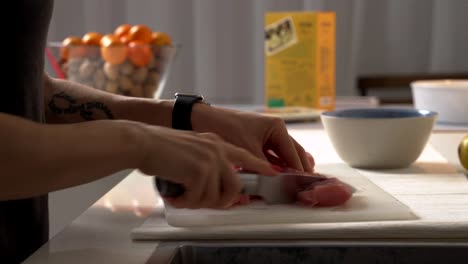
(24, 223)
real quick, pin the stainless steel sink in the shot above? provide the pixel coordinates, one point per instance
(303, 252)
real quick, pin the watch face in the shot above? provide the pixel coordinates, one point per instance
(196, 96)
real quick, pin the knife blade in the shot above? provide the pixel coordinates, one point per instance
(277, 189)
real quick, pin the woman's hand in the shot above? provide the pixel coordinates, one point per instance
(202, 163)
(259, 134)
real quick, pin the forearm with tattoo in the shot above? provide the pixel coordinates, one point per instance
(71, 102)
(64, 104)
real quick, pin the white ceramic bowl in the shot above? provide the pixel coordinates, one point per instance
(379, 138)
(449, 98)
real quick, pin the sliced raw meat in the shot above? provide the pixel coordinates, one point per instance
(330, 192)
(315, 190)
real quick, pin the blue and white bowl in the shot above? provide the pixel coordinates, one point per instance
(379, 138)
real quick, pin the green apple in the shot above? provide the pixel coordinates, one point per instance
(463, 152)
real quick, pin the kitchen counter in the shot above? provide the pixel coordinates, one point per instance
(102, 233)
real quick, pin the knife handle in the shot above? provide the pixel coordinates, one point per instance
(174, 190)
(169, 189)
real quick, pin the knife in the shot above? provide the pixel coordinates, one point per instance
(277, 189)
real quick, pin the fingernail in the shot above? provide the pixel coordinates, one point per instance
(276, 167)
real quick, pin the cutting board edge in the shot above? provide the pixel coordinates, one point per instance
(408, 216)
(413, 230)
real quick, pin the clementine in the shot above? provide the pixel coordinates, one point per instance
(139, 53)
(140, 33)
(67, 43)
(161, 39)
(112, 50)
(108, 38)
(92, 38)
(125, 39)
(122, 30)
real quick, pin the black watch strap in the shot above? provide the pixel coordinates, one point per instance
(182, 110)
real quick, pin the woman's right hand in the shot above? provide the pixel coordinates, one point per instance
(202, 162)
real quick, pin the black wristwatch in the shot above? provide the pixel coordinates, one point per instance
(182, 110)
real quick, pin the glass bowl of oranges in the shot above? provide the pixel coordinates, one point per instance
(133, 60)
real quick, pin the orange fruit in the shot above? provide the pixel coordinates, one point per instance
(92, 38)
(92, 42)
(115, 54)
(72, 42)
(140, 33)
(125, 39)
(108, 38)
(161, 39)
(122, 30)
(112, 50)
(72, 47)
(139, 53)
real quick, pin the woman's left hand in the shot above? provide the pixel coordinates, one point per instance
(256, 133)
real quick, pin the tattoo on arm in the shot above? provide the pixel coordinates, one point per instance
(85, 110)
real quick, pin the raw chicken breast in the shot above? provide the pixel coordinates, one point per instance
(329, 192)
(316, 190)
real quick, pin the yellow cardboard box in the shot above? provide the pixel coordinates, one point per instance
(300, 59)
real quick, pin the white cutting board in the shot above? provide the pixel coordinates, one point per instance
(369, 203)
